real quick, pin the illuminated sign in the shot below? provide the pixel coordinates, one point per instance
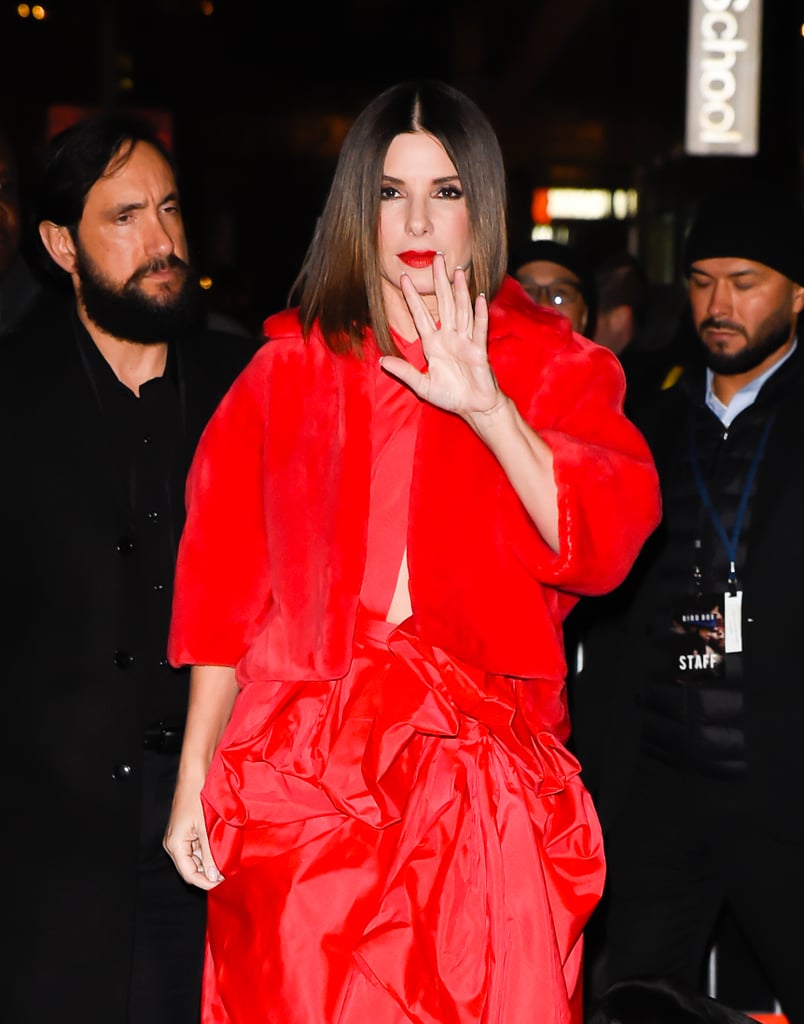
(723, 66)
(549, 204)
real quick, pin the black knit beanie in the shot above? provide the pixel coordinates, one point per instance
(765, 229)
(565, 256)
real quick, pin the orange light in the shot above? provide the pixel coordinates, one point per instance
(539, 212)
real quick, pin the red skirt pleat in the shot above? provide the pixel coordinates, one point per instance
(397, 846)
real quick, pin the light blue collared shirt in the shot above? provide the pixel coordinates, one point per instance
(745, 396)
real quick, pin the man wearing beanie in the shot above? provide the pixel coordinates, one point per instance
(691, 731)
(559, 277)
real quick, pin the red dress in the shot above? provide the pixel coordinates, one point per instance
(399, 822)
(406, 841)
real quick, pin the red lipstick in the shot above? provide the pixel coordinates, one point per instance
(417, 257)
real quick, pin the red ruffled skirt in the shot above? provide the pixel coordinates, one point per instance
(397, 846)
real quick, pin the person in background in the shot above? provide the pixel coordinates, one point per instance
(560, 277)
(622, 301)
(641, 323)
(388, 517)
(19, 286)
(104, 403)
(696, 762)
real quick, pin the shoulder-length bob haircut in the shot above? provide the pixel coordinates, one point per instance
(339, 284)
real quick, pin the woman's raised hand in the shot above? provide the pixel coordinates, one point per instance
(458, 377)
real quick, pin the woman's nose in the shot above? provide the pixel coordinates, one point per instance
(418, 217)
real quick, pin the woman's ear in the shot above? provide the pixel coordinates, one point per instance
(59, 243)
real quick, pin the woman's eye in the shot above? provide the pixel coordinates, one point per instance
(388, 192)
(450, 192)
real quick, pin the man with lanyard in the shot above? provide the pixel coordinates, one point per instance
(690, 729)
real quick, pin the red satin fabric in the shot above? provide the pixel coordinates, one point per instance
(397, 846)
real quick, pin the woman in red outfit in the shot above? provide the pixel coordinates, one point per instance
(390, 515)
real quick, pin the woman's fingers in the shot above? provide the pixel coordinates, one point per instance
(455, 313)
(464, 316)
(422, 318)
(480, 326)
(402, 370)
(443, 291)
(454, 300)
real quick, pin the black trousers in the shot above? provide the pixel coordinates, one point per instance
(170, 916)
(683, 848)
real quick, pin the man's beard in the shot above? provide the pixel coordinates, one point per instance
(127, 312)
(769, 339)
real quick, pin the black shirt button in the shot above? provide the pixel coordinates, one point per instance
(164, 663)
(123, 659)
(125, 545)
(122, 771)
(153, 516)
(159, 586)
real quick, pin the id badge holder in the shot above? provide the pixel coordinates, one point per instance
(733, 622)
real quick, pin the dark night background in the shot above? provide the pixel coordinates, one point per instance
(259, 95)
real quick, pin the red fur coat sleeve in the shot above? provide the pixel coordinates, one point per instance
(477, 540)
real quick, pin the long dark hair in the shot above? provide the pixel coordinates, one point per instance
(339, 284)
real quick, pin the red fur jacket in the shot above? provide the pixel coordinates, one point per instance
(273, 551)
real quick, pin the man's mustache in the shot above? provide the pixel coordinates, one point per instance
(719, 325)
(153, 266)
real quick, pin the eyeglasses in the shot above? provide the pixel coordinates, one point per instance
(560, 293)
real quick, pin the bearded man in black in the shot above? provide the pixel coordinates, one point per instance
(105, 397)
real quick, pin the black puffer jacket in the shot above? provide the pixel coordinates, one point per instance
(751, 721)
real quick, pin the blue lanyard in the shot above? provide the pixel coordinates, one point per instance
(729, 543)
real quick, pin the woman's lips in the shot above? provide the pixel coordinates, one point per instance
(417, 258)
